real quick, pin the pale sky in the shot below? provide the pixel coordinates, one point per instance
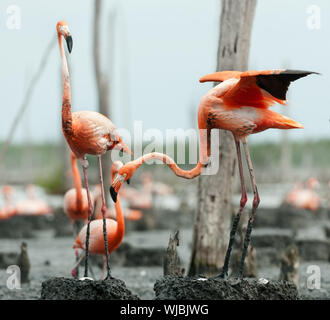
(162, 48)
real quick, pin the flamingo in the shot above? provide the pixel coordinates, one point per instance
(76, 201)
(304, 198)
(8, 209)
(32, 205)
(238, 104)
(115, 230)
(86, 132)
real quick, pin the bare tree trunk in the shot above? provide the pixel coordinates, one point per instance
(103, 88)
(214, 211)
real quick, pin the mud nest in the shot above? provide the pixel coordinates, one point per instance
(73, 289)
(197, 288)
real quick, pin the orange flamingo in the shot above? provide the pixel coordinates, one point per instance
(305, 198)
(8, 209)
(86, 132)
(76, 201)
(32, 205)
(115, 230)
(240, 105)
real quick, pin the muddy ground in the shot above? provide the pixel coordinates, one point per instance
(53, 257)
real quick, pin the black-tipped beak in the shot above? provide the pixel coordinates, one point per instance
(128, 181)
(69, 43)
(113, 194)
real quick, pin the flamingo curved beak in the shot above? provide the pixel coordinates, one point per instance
(69, 42)
(115, 186)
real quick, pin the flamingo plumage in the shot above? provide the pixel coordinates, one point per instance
(238, 104)
(75, 199)
(86, 132)
(305, 198)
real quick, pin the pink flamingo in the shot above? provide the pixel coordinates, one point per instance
(239, 104)
(86, 132)
(32, 205)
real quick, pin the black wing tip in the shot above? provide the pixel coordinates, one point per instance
(299, 72)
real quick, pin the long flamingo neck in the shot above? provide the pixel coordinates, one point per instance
(77, 181)
(66, 100)
(188, 174)
(120, 224)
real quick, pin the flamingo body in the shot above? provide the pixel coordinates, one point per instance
(241, 114)
(71, 207)
(32, 207)
(92, 133)
(96, 240)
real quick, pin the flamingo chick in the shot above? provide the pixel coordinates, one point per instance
(86, 132)
(238, 104)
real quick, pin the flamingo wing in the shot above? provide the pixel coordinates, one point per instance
(259, 89)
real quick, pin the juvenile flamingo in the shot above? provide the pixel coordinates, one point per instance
(238, 104)
(115, 230)
(86, 132)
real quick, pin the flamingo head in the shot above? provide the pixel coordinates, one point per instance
(124, 173)
(63, 29)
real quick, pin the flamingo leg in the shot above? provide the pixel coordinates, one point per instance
(75, 267)
(103, 210)
(225, 267)
(104, 268)
(75, 229)
(255, 204)
(89, 219)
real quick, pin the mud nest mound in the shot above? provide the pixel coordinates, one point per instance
(73, 289)
(198, 288)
